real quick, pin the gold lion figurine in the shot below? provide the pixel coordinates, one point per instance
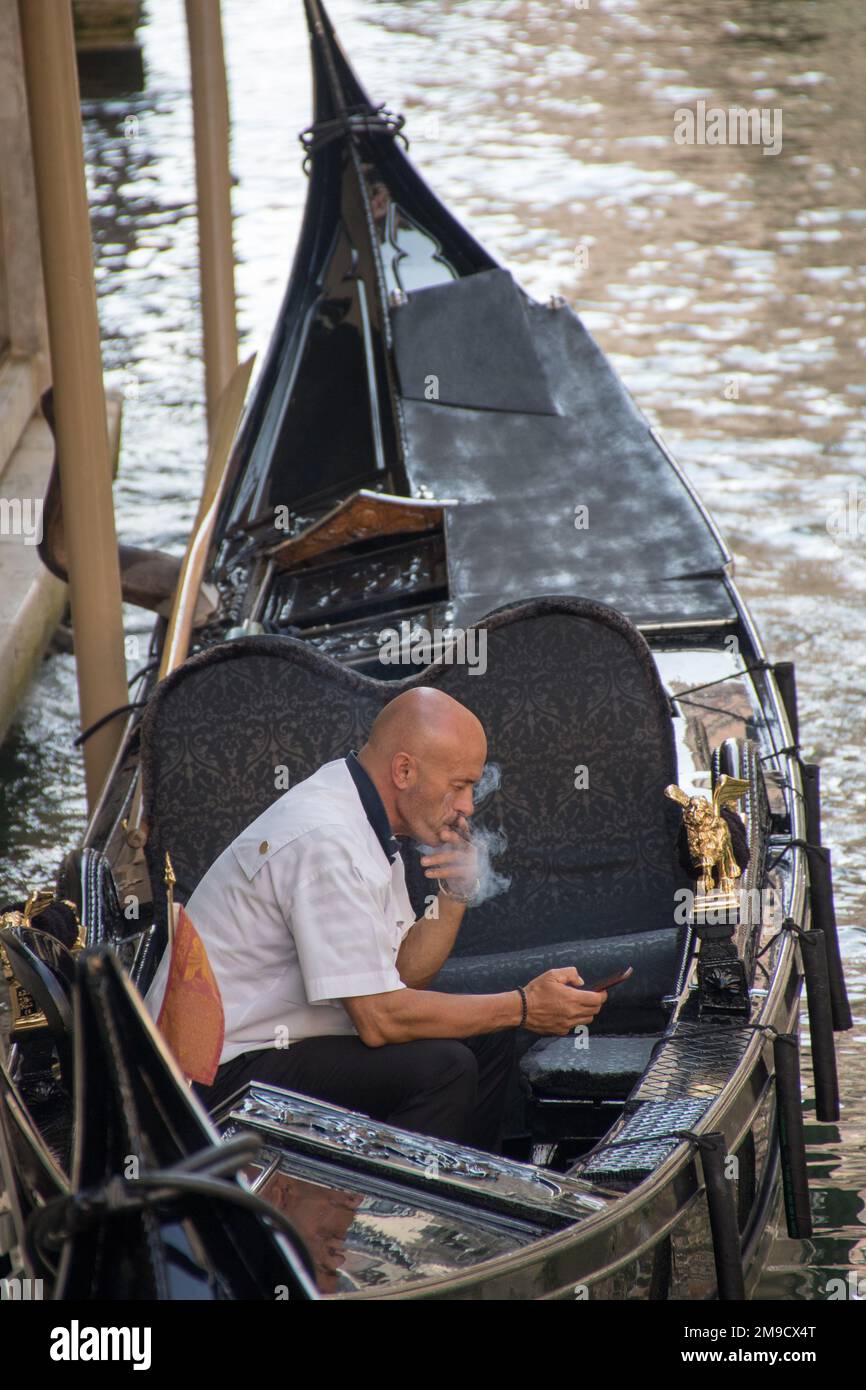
(708, 835)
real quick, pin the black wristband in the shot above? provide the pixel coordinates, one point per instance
(522, 992)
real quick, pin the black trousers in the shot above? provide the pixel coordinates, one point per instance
(446, 1088)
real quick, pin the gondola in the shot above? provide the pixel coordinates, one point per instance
(433, 464)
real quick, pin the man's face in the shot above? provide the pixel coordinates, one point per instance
(437, 790)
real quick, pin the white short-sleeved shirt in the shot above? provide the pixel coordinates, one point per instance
(303, 909)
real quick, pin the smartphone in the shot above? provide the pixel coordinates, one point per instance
(609, 981)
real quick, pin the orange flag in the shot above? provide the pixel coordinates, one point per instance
(191, 1018)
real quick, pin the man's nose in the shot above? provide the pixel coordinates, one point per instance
(464, 802)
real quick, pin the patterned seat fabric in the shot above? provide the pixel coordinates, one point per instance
(569, 685)
(219, 731)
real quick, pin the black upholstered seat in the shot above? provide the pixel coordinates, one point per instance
(569, 685)
(229, 731)
(555, 1068)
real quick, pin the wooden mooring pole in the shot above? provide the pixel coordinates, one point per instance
(213, 181)
(76, 363)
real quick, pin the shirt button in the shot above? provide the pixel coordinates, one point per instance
(263, 847)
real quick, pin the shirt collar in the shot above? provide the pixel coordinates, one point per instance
(373, 807)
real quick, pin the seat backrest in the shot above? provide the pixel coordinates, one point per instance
(580, 726)
(229, 732)
(569, 684)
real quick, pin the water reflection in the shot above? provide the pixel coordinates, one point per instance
(322, 1217)
(728, 287)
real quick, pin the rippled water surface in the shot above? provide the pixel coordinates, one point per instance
(727, 285)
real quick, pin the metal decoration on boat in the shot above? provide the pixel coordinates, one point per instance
(170, 881)
(301, 1125)
(722, 984)
(27, 1016)
(708, 836)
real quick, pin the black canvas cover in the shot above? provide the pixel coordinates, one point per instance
(467, 343)
(583, 500)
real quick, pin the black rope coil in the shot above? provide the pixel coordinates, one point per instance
(351, 123)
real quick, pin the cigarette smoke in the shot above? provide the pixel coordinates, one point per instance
(489, 781)
(488, 844)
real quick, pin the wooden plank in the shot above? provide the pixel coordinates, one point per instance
(360, 517)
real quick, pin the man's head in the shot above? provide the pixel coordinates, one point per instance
(425, 753)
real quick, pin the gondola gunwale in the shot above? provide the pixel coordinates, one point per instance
(679, 1166)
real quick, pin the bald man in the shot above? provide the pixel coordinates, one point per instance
(324, 970)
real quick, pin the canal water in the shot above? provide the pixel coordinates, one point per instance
(727, 284)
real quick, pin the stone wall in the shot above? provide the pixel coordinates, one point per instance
(105, 24)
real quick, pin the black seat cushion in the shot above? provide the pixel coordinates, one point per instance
(608, 1069)
(635, 1005)
(568, 683)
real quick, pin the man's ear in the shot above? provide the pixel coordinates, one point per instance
(403, 770)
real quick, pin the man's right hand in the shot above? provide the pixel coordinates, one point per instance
(555, 1003)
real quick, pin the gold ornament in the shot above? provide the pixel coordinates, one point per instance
(708, 834)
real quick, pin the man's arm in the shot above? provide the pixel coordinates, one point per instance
(555, 1004)
(429, 942)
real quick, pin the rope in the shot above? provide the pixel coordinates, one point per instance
(820, 850)
(697, 1032)
(788, 925)
(731, 676)
(779, 752)
(354, 121)
(151, 665)
(698, 1141)
(736, 675)
(700, 704)
(112, 714)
